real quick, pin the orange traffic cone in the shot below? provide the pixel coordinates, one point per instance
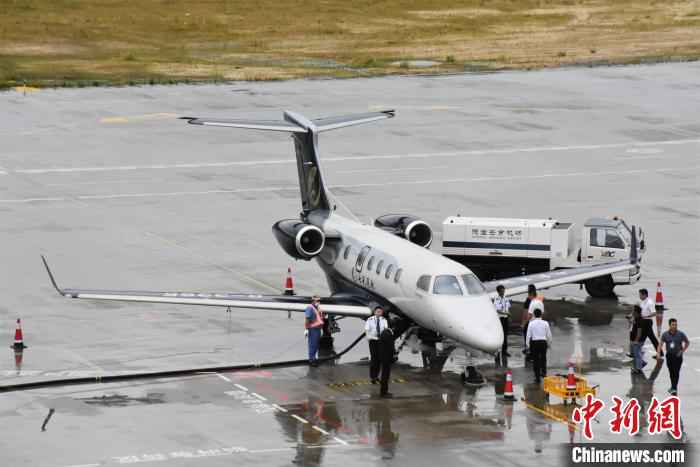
(289, 284)
(19, 339)
(659, 298)
(659, 306)
(571, 379)
(289, 289)
(508, 389)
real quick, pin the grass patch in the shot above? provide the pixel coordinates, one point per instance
(122, 42)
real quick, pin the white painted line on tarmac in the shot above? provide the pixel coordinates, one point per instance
(280, 408)
(255, 394)
(320, 430)
(223, 377)
(341, 441)
(475, 152)
(403, 169)
(364, 185)
(262, 451)
(299, 418)
(242, 388)
(31, 200)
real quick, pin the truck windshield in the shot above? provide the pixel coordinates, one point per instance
(473, 284)
(446, 285)
(626, 233)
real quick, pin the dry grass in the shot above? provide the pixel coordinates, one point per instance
(81, 42)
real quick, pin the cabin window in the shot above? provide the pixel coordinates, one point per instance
(473, 285)
(398, 275)
(361, 258)
(347, 252)
(389, 270)
(380, 266)
(370, 263)
(423, 283)
(446, 285)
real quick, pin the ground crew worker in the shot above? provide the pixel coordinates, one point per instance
(386, 355)
(373, 329)
(539, 335)
(502, 304)
(313, 323)
(676, 344)
(635, 341)
(533, 301)
(648, 312)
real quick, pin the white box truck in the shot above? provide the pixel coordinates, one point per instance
(496, 248)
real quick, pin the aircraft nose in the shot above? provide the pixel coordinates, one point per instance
(482, 328)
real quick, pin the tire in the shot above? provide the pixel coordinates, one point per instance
(600, 287)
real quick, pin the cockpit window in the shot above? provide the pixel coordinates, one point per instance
(446, 285)
(423, 283)
(473, 285)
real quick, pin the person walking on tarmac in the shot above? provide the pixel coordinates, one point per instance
(676, 344)
(373, 329)
(502, 304)
(539, 335)
(648, 313)
(386, 355)
(533, 300)
(313, 323)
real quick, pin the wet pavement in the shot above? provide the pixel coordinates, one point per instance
(119, 194)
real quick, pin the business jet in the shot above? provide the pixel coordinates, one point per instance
(387, 262)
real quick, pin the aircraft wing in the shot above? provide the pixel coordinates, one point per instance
(340, 306)
(518, 284)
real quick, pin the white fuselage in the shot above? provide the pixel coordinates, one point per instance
(468, 318)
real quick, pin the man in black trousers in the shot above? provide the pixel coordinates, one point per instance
(373, 329)
(386, 356)
(648, 313)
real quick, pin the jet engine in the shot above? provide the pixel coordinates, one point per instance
(298, 239)
(411, 228)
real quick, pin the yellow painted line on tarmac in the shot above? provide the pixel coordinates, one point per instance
(359, 382)
(138, 118)
(550, 415)
(25, 89)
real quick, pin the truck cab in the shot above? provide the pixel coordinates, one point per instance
(604, 240)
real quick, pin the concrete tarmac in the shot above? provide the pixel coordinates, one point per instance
(119, 193)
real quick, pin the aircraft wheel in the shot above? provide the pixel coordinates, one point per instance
(600, 287)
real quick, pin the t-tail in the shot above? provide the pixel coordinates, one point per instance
(312, 185)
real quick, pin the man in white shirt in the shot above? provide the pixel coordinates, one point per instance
(539, 335)
(648, 313)
(502, 304)
(373, 329)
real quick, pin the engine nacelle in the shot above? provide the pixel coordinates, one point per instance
(409, 227)
(298, 239)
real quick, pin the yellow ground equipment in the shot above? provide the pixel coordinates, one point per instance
(557, 385)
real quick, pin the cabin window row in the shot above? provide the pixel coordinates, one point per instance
(362, 256)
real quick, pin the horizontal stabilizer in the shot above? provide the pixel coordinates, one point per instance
(294, 123)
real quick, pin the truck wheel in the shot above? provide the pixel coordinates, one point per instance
(600, 287)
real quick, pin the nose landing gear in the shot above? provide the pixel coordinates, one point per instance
(471, 375)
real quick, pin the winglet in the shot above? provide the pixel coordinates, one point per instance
(634, 256)
(53, 281)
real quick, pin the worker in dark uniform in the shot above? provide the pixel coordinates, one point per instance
(386, 356)
(373, 329)
(676, 345)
